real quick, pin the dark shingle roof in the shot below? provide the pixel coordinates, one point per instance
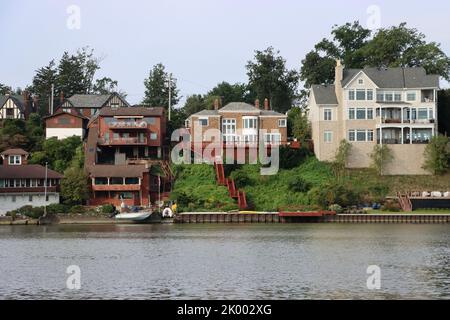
(271, 113)
(18, 100)
(239, 107)
(395, 78)
(122, 171)
(89, 100)
(206, 113)
(132, 111)
(31, 171)
(325, 94)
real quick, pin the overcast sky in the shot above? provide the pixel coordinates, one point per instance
(202, 42)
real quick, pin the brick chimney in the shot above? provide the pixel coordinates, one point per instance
(338, 72)
(266, 104)
(257, 103)
(61, 97)
(216, 104)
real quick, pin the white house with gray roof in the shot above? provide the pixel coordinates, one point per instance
(392, 106)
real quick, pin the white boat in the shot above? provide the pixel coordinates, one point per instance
(134, 216)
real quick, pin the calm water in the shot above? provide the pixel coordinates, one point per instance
(225, 261)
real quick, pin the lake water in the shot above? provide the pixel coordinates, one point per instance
(254, 261)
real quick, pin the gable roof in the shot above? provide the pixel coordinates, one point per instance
(325, 94)
(395, 78)
(239, 107)
(60, 112)
(132, 111)
(18, 101)
(91, 100)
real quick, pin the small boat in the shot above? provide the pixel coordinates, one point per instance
(134, 216)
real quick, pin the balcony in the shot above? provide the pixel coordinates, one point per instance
(403, 136)
(116, 187)
(139, 125)
(123, 141)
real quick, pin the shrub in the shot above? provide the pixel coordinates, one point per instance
(241, 178)
(291, 158)
(381, 156)
(77, 209)
(333, 194)
(107, 208)
(335, 207)
(436, 155)
(390, 205)
(56, 208)
(298, 184)
(29, 211)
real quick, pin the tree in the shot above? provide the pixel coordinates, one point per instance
(301, 128)
(269, 78)
(444, 111)
(341, 157)
(4, 89)
(227, 93)
(381, 156)
(397, 46)
(74, 187)
(437, 155)
(42, 83)
(157, 89)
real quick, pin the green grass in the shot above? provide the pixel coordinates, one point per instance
(196, 189)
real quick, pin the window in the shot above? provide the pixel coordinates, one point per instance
(2, 183)
(360, 81)
(370, 113)
(272, 138)
(66, 110)
(430, 113)
(327, 114)
(203, 122)
(15, 160)
(351, 135)
(397, 96)
(250, 123)
(380, 96)
(388, 97)
(101, 181)
(360, 135)
(63, 121)
(114, 105)
(30, 198)
(126, 195)
(187, 123)
(351, 113)
(411, 96)
(361, 113)
(360, 94)
(131, 180)
(282, 123)
(116, 180)
(369, 135)
(370, 94)
(328, 136)
(153, 136)
(351, 95)
(93, 111)
(422, 114)
(47, 198)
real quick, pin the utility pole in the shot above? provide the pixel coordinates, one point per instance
(170, 93)
(51, 102)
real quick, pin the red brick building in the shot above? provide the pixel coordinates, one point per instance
(125, 154)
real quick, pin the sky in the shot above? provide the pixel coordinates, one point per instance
(202, 42)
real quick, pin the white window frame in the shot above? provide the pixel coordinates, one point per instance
(270, 138)
(282, 123)
(360, 81)
(201, 123)
(408, 94)
(354, 113)
(14, 162)
(326, 112)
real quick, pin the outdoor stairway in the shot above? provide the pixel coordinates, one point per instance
(229, 183)
(404, 201)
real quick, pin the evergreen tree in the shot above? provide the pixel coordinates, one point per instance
(157, 88)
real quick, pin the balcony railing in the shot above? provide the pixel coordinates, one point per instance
(414, 121)
(128, 125)
(123, 141)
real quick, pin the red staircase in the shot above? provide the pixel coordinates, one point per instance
(404, 201)
(229, 183)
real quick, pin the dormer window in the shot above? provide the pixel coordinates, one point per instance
(15, 160)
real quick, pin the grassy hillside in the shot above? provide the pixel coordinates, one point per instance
(196, 188)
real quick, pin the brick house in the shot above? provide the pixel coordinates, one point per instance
(123, 147)
(23, 184)
(240, 124)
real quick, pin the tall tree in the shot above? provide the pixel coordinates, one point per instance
(42, 84)
(107, 85)
(226, 92)
(195, 103)
(157, 88)
(270, 78)
(4, 89)
(398, 46)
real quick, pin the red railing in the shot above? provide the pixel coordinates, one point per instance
(230, 184)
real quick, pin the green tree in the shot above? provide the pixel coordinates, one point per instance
(437, 155)
(381, 156)
(301, 127)
(227, 93)
(74, 186)
(270, 78)
(42, 84)
(195, 103)
(157, 89)
(4, 89)
(341, 158)
(397, 46)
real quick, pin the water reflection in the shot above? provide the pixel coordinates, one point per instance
(209, 261)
